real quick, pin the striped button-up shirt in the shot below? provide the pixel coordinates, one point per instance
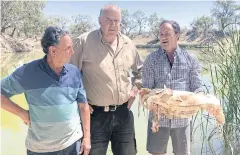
(184, 74)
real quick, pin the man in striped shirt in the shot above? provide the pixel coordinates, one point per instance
(178, 70)
(56, 98)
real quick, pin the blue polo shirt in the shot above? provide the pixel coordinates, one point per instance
(53, 103)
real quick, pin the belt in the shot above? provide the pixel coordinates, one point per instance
(108, 108)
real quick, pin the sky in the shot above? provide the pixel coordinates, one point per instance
(182, 12)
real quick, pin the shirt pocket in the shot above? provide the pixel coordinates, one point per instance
(182, 71)
(125, 74)
(161, 72)
(106, 64)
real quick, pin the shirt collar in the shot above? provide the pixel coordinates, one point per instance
(176, 52)
(45, 66)
(119, 35)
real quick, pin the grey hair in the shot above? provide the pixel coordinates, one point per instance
(174, 24)
(52, 37)
(102, 9)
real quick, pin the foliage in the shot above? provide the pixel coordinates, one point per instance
(127, 24)
(226, 13)
(202, 26)
(23, 16)
(81, 24)
(223, 60)
(153, 23)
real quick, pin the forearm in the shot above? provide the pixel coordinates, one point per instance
(196, 85)
(85, 117)
(11, 107)
(137, 79)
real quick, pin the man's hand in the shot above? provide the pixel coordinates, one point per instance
(24, 115)
(90, 109)
(209, 109)
(85, 117)
(85, 146)
(132, 96)
(12, 107)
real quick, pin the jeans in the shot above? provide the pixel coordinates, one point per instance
(115, 126)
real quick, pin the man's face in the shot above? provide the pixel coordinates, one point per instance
(168, 38)
(110, 23)
(61, 53)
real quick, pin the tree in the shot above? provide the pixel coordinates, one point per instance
(127, 24)
(20, 15)
(81, 24)
(154, 22)
(226, 13)
(202, 25)
(140, 19)
(61, 21)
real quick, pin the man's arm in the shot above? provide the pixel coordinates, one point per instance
(148, 74)
(196, 83)
(85, 117)
(136, 79)
(15, 109)
(10, 86)
(84, 112)
(136, 71)
(195, 77)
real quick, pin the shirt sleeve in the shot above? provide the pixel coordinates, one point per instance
(12, 84)
(195, 77)
(77, 57)
(81, 96)
(148, 74)
(136, 70)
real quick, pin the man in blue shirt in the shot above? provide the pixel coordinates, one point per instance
(56, 97)
(178, 70)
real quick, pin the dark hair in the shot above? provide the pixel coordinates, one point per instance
(51, 37)
(174, 24)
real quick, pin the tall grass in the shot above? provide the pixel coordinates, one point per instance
(223, 62)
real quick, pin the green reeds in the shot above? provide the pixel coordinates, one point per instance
(222, 59)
